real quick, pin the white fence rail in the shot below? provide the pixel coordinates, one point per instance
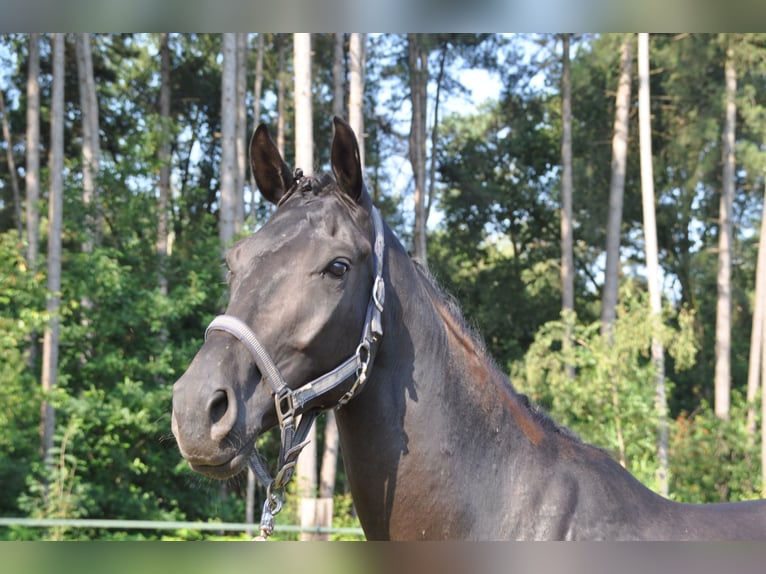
(165, 525)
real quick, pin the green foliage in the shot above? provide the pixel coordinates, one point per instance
(714, 460)
(21, 321)
(610, 400)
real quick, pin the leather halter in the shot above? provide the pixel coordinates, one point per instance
(291, 402)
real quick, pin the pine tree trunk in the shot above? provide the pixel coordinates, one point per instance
(55, 220)
(32, 177)
(91, 148)
(567, 257)
(567, 234)
(418, 64)
(652, 258)
(164, 159)
(241, 134)
(617, 188)
(282, 81)
(758, 332)
(306, 469)
(723, 282)
(91, 161)
(338, 75)
(227, 209)
(356, 68)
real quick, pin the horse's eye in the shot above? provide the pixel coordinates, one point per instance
(337, 268)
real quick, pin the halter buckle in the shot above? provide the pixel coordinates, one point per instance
(286, 407)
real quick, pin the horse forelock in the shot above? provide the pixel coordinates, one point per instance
(309, 188)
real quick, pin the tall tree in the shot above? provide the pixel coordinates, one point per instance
(567, 217)
(418, 68)
(725, 230)
(164, 161)
(357, 56)
(306, 469)
(567, 242)
(617, 187)
(55, 218)
(282, 81)
(338, 75)
(91, 149)
(228, 172)
(32, 176)
(240, 136)
(652, 258)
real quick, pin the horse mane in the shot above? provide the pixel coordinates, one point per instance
(471, 333)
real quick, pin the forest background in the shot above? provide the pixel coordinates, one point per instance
(122, 180)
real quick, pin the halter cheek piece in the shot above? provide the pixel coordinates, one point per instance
(293, 402)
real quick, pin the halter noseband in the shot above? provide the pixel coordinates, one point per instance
(292, 402)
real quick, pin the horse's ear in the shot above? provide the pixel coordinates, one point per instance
(272, 174)
(346, 164)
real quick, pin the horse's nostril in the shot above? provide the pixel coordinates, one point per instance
(218, 405)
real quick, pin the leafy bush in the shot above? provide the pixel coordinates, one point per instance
(609, 401)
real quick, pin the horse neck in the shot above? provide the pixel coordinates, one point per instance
(435, 409)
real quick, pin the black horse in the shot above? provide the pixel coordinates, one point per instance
(327, 310)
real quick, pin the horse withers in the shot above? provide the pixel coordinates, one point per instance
(327, 310)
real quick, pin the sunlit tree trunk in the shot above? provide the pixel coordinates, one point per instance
(418, 64)
(55, 219)
(652, 258)
(617, 187)
(338, 75)
(758, 331)
(91, 161)
(567, 220)
(567, 258)
(306, 469)
(282, 81)
(723, 282)
(164, 160)
(357, 55)
(12, 170)
(241, 134)
(91, 148)
(228, 177)
(32, 176)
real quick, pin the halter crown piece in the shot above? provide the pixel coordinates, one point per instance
(293, 402)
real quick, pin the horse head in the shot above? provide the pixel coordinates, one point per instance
(303, 288)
